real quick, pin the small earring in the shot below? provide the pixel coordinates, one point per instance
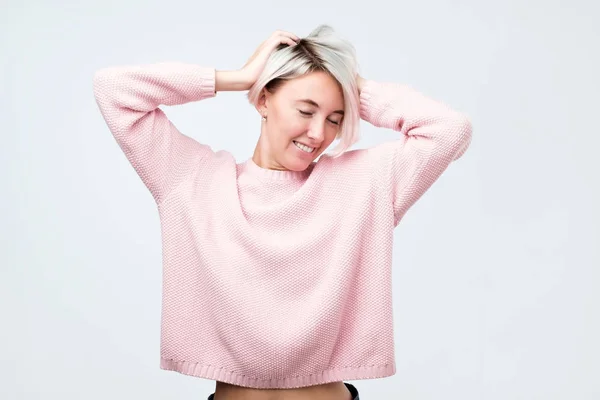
(264, 118)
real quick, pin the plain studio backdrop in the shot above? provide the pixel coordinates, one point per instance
(496, 268)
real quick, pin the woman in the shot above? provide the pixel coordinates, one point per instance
(277, 270)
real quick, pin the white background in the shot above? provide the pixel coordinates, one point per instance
(497, 267)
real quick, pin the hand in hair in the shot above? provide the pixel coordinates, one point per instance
(360, 81)
(244, 78)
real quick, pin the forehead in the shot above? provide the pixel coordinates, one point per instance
(318, 86)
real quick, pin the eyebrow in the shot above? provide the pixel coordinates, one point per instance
(314, 103)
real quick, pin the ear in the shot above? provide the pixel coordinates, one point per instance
(263, 101)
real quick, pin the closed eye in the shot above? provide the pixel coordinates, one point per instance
(306, 113)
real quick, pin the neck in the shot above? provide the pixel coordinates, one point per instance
(262, 154)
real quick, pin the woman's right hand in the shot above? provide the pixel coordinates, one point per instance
(255, 65)
(244, 78)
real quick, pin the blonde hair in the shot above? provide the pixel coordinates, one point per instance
(321, 50)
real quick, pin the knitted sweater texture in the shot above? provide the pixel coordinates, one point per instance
(277, 279)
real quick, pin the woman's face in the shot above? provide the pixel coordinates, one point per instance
(303, 118)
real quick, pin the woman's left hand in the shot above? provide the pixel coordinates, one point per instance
(360, 81)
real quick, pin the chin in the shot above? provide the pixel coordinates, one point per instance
(298, 161)
(297, 164)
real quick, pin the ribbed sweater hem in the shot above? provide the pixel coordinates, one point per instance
(332, 375)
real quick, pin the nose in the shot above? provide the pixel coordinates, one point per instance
(316, 131)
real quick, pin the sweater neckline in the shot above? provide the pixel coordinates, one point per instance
(251, 168)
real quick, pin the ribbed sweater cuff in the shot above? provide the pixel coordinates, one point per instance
(206, 78)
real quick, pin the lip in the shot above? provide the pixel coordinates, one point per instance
(307, 145)
(303, 153)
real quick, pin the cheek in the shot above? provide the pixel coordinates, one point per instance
(331, 134)
(296, 129)
(290, 127)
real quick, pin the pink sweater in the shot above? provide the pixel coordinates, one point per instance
(277, 279)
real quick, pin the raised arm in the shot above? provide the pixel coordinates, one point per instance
(432, 136)
(129, 98)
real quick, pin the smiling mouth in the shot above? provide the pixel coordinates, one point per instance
(303, 147)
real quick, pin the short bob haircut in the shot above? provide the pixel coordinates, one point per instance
(322, 50)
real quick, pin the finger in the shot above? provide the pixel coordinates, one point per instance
(288, 40)
(277, 38)
(277, 41)
(284, 39)
(290, 35)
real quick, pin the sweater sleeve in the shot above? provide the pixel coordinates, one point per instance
(432, 136)
(129, 98)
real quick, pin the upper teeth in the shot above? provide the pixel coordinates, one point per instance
(303, 147)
